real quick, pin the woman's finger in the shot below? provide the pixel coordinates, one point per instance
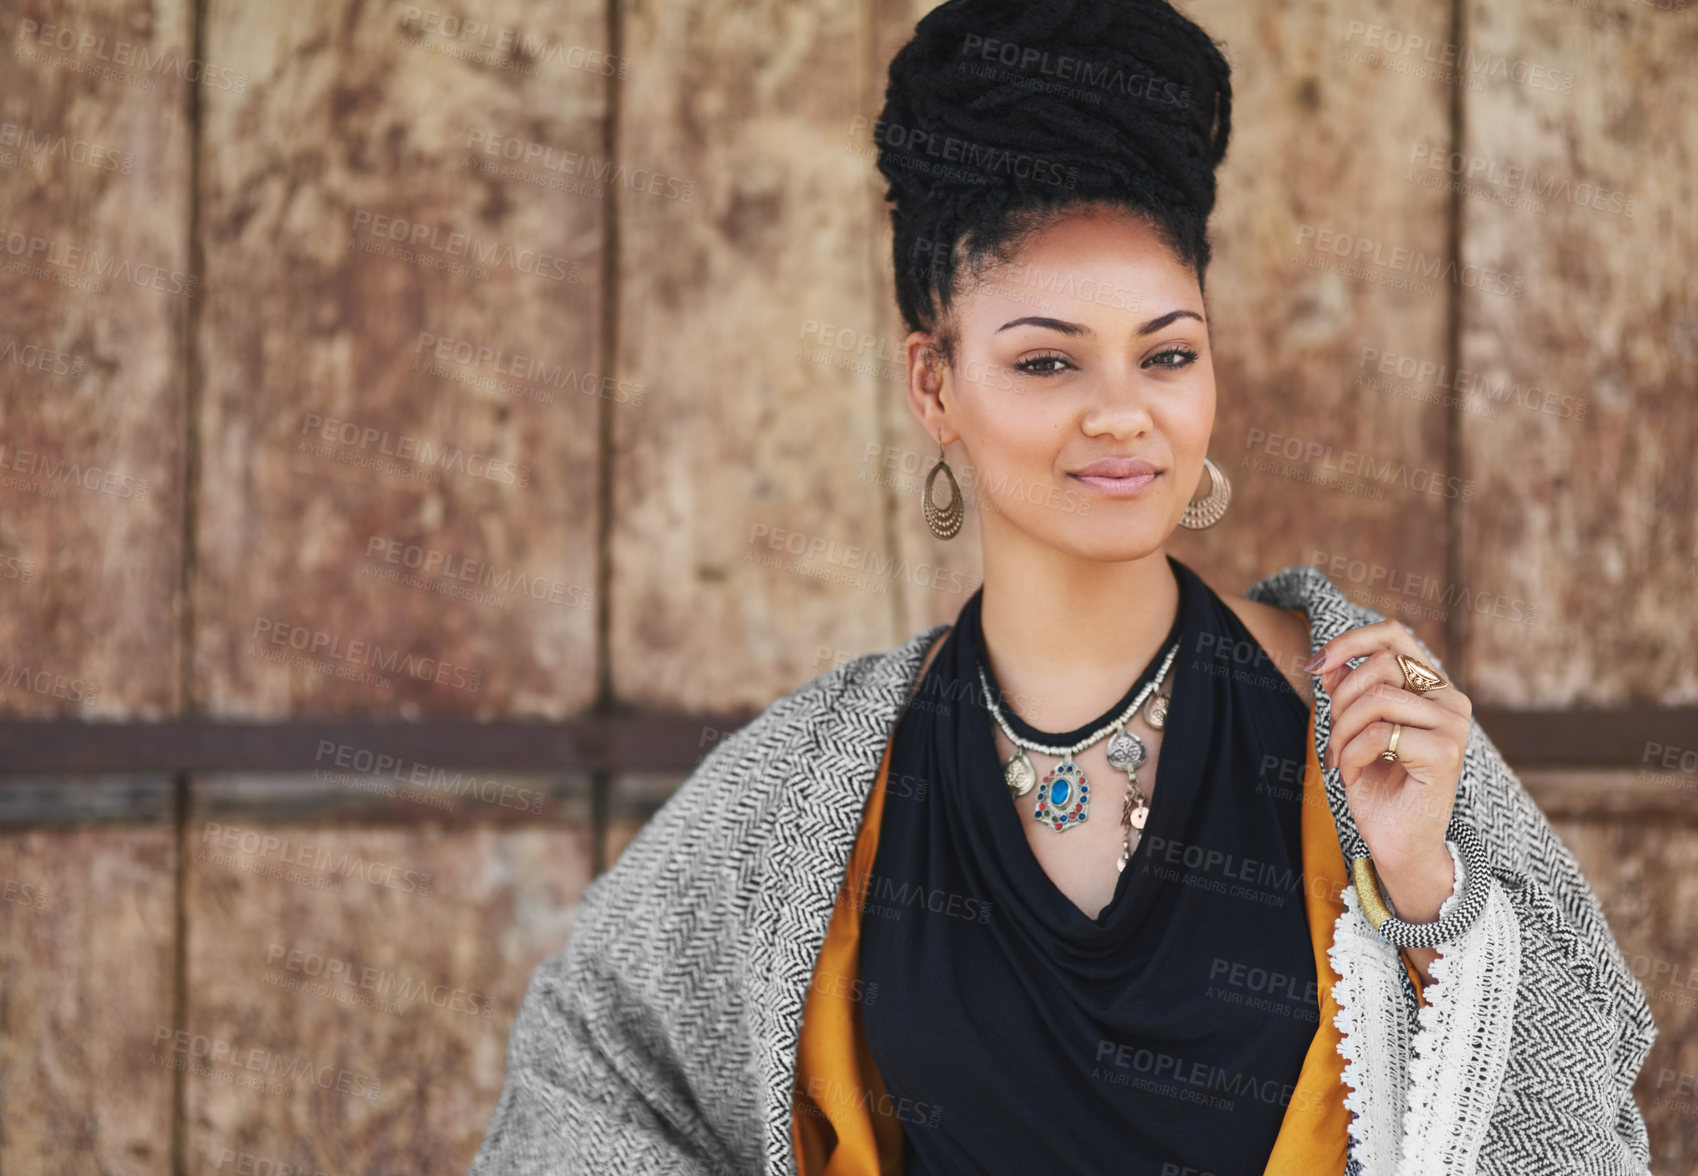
(1345, 684)
(1365, 639)
(1385, 703)
(1430, 755)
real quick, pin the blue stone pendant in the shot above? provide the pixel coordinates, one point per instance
(1065, 798)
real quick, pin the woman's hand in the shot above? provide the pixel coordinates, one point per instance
(1401, 808)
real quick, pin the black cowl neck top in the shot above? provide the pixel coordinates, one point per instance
(1163, 1035)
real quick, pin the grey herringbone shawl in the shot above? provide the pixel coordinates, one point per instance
(663, 1038)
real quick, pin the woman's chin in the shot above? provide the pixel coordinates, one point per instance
(1097, 539)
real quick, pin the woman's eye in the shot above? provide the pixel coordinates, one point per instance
(1173, 357)
(1035, 365)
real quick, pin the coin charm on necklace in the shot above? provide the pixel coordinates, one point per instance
(1131, 818)
(1018, 773)
(1155, 710)
(1140, 814)
(1125, 750)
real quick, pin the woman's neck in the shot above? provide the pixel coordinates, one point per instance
(1066, 637)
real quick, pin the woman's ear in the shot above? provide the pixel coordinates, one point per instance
(928, 386)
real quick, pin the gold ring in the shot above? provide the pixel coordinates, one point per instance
(1390, 753)
(1419, 677)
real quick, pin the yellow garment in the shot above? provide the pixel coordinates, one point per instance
(1314, 1135)
(834, 1128)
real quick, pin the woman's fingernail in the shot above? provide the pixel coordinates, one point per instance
(1314, 663)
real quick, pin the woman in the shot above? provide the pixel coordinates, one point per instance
(1114, 873)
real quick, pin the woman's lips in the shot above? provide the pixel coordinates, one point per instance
(1124, 487)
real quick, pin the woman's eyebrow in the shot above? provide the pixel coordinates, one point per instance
(1067, 328)
(1171, 316)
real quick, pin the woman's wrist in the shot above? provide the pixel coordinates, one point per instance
(1453, 878)
(1419, 894)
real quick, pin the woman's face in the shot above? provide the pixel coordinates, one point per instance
(1084, 357)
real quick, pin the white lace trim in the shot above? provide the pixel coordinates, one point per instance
(1461, 1046)
(1374, 1036)
(1420, 1108)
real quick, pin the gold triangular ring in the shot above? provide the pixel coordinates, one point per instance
(1419, 678)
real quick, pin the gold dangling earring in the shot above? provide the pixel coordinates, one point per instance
(943, 521)
(1206, 511)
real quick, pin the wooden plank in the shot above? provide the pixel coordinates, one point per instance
(28, 801)
(87, 949)
(1582, 178)
(1667, 796)
(741, 529)
(400, 356)
(94, 184)
(395, 981)
(395, 749)
(449, 797)
(1647, 739)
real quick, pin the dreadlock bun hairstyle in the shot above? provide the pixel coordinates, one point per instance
(1001, 114)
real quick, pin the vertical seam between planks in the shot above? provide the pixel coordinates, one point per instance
(185, 612)
(1455, 628)
(601, 780)
(867, 91)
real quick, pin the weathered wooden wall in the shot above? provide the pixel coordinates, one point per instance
(709, 357)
